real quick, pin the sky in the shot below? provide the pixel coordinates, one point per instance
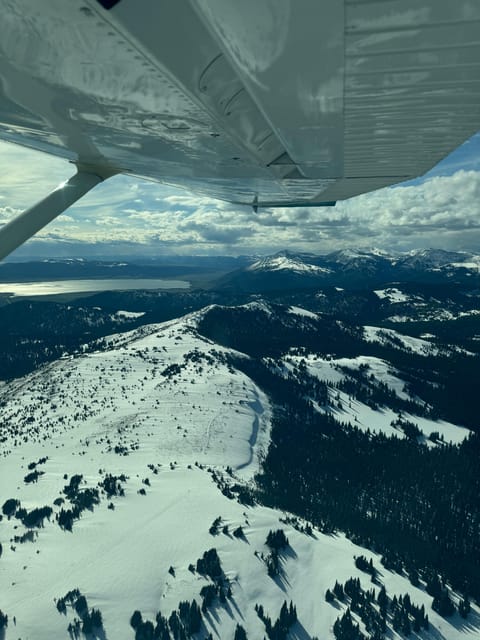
(126, 216)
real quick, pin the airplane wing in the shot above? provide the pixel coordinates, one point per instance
(283, 102)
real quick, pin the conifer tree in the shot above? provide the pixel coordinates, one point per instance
(383, 602)
(240, 633)
(443, 605)
(136, 619)
(464, 607)
(3, 620)
(329, 597)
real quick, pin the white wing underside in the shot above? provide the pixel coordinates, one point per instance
(259, 101)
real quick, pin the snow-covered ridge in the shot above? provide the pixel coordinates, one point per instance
(285, 263)
(419, 346)
(298, 311)
(417, 259)
(144, 384)
(344, 256)
(129, 314)
(399, 340)
(351, 268)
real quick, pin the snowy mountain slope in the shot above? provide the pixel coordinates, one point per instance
(346, 255)
(162, 383)
(120, 560)
(348, 409)
(418, 259)
(307, 344)
(389, 336)
(286, 262)
(435, 315)
(436, 258)
(133, 419)
(157, 396)
(398, 340)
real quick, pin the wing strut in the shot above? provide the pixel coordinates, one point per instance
(24, 226)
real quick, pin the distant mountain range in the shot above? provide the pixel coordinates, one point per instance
(79, 268)
(353, 268)
(285, 270)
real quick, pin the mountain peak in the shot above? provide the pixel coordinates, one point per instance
(286, 261)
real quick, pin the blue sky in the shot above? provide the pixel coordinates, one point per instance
(130, 217)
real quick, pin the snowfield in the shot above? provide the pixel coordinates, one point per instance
(393, 338)
(393, 295)
(419, 346)
(298, 311)
(439, 315)
(284, 263)
(120, 560)
(162, 411)
(162, 385)
(347, 409)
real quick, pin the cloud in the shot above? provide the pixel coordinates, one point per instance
(225, 234)
(7, 213)
(440, 210)
(106, 221)
(190, 201)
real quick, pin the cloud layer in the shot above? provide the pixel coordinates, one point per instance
(126, 215)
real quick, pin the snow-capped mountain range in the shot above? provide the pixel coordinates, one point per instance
(350, 267)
